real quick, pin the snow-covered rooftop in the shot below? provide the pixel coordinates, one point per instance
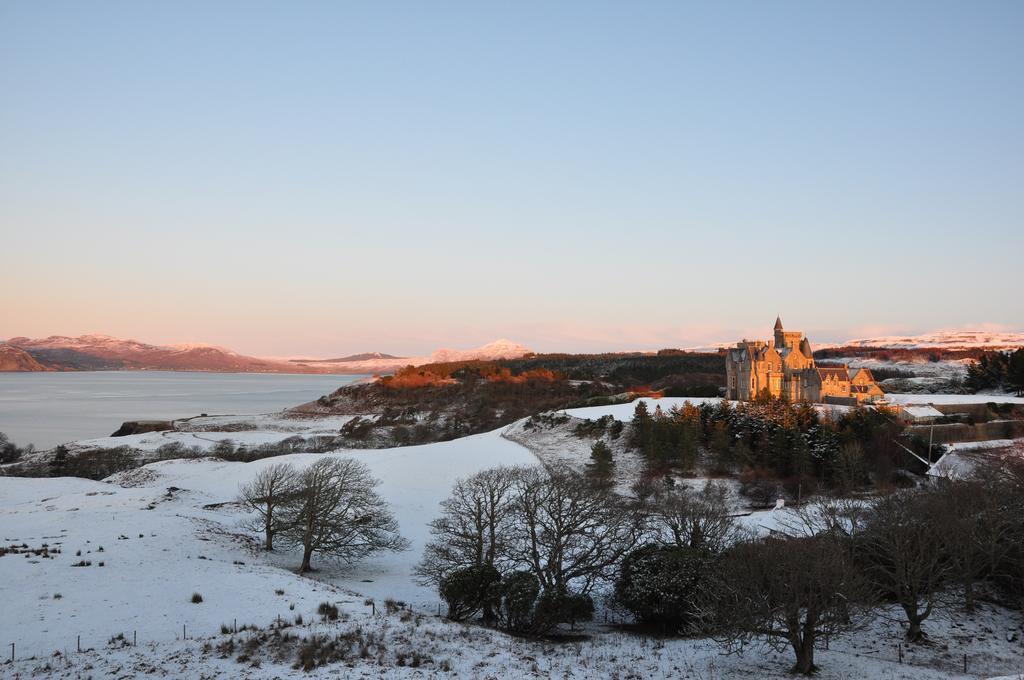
(923, 411)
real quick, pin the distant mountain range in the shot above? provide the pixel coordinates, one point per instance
(105, 353)
(952, 339)
(365, 356)
(381, 363)
(949, 339)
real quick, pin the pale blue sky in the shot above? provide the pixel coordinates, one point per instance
(325, 177)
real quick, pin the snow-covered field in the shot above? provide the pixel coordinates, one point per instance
(158, 547)
(167, 530)
(205, 432)
(947, 339)
(624, 412)
(934, 369)
(454, 650)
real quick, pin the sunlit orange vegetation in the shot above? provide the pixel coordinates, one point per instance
(432, 375)
(687, 412)
(645, 391)
(412, 377)
(504, 375)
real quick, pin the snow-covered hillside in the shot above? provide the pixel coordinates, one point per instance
(103, 352)
(946, 339)
(163, 531)
(149, 538)
(499, 349)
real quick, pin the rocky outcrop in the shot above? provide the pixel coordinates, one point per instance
(142, 426)
(14, 359)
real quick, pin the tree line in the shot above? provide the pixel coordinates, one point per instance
(997, 370)
(773, 438)
(524, 549)
(11, 452)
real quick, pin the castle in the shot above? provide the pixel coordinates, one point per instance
(785, 368)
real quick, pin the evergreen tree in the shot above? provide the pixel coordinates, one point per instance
(990, 370)
(602, 466)
(59, 462)
(1015, 371)
(643, 429)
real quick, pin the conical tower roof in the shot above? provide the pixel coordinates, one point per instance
(778, 323)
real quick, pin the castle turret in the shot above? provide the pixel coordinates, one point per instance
(780, 334)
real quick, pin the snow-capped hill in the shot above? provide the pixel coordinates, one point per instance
(103, 352)
(499, 349)
(90, 342)
(201, 347)
(946, 339)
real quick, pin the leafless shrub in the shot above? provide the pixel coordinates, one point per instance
(327, 611)
(700, 521)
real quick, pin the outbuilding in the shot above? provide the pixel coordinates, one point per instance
(918, 414)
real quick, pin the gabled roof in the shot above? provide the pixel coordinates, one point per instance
(866, 372)
(834, 373)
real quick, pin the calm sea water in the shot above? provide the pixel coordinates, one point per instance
(47, 409)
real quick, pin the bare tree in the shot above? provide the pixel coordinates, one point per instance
(694, 520)
(788, 592)
(568, 533)
(844, 518)
(474, 525)
(962, 515)
(903, 551)
(266, 494)
(1009, 473)
(337, 514)
(982, 520)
